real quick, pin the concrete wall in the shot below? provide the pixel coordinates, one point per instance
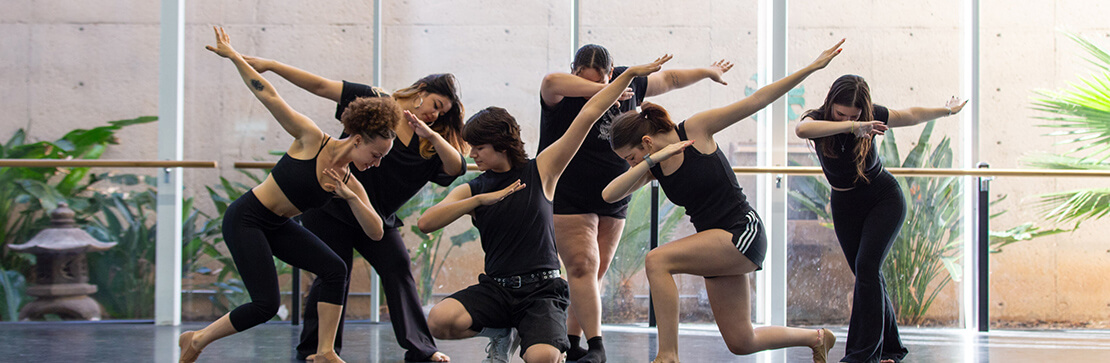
(69, 65)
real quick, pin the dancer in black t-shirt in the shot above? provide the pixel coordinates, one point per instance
(510, 203)
(587, 228)
(314, 170)
(427, 148)
(730, 242)
(868, 207)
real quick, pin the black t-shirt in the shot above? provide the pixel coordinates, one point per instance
(595, 164)
(401, 174)
(517, 233)
(706, 186)
(841, 170)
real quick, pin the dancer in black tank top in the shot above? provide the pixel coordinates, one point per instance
(587, 228)
(868, 207)
(730, 241)
(428, 148)
(510, 203)
(257, 226)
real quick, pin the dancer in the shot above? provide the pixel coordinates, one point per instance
(868, 207)
(510, 204)
(257, 226)
(427, 148)
(730, 241)
(588, 229)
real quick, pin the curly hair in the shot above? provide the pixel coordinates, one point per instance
(372, 117)
(630, 127)
(496, 127)
(450, 123)
(852, 91)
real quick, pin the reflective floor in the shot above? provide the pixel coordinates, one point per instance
(367, 342)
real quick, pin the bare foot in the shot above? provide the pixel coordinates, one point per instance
(310, 357)
(665, 358)
(329, 357)
(439, 357)
(825, 342)
(189, 347)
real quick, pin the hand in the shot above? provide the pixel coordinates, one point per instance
(827, 56)
(418, 127)
(223, 44)
(670, 150)
(868, 128)
(954, 105)
(494, 197)
(338, 187)
(718, 69)
(260, 65)
(626, 95)
(646, 69)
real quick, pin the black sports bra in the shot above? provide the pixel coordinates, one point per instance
(297, 180)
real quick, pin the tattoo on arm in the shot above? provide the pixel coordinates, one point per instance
(674, 79)
(257, 85)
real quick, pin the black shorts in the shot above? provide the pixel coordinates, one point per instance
(750, 239)
(537, 310)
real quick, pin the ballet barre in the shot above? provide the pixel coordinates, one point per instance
(79, 163)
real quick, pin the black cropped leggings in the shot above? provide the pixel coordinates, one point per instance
(867, 219)
(254, 236)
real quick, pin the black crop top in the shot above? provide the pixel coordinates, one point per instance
(841, 170)
(297, 180)
(706, 186)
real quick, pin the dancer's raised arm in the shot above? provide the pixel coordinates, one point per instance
(311, 82)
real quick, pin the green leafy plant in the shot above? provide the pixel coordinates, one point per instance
(12, 294)
(620, 304)
(1081, 114)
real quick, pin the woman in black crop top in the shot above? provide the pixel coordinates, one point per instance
(730, 241)
(314, 170)
(868, 207)
(428, 148)
(588, 229)
(510, 203)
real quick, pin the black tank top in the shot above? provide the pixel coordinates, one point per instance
(706, 186)
(297, 180)
(517, 233)
(841, 170)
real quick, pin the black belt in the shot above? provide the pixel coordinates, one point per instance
(515, 282)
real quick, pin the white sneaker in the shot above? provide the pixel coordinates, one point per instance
(498, 349)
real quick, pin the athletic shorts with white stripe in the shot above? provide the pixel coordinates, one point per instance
(749, 238)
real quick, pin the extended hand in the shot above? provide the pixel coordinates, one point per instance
(646, 69)
(494, 197)
(419, 127)
(338, 187)
(223, 44)
(954, 105)
(260, 65)
(670, 150)
(827, 56)
(868, 128)
(718, 69)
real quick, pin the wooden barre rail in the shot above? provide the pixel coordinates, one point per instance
(811, 170)
(78, 163)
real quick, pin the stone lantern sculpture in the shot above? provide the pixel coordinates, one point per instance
(61, 280)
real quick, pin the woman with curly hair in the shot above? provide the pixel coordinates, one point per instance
(867, 204)
(313, 171)
(510, 203)
(730, 242)
(428, 148)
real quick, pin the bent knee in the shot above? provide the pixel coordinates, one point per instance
(542, 353)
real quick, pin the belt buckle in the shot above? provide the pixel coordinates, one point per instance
(514, 282)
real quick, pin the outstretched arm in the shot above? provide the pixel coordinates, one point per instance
(302, 128)
(705, 124)
(640, 174)
(353, 192)
(317, 85)
(554, 158)
(672, 79)
(915, 115)
(460, 202)
(556, 86)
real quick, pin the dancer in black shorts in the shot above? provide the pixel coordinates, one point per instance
(868, 207)
(510, 204)
(314, 170)
(730, 241)
(427, 148)
(587, 228)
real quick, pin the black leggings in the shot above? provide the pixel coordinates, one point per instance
(390, 259)
(254, 235)
(867, 220)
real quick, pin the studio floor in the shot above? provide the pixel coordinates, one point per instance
(371, 342)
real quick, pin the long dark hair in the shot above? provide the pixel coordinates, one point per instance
(630, 127)
(852, 91)
(495, 126)
(449, 124)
